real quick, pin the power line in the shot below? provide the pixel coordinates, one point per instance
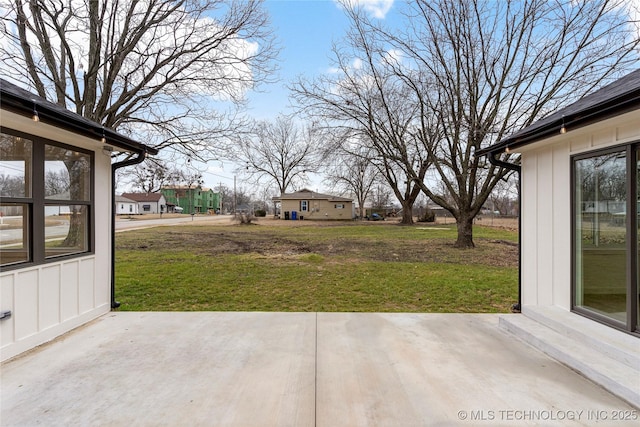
(218, 175)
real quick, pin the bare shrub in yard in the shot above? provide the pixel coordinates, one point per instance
(243, 218)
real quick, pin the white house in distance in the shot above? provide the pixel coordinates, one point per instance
(148, 203)
(580, 253)
(125, 206)
(307, 204)
(56, 249)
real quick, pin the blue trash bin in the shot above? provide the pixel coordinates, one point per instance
(294, 215)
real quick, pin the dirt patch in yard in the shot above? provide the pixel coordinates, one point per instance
(267, 241)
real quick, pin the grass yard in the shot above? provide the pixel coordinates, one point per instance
(351, 267)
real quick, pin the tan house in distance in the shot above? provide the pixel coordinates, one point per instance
(307, 204)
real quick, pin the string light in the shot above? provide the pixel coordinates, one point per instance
(507, 150)
(563, 129)
(103, 139)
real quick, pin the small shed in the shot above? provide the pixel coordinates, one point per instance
(307, 204)
(56, 252)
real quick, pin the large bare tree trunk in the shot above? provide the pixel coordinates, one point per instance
(465, 232)
(75, 238)
(407, 215)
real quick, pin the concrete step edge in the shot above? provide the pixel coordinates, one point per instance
(612, 375)
(616, 344)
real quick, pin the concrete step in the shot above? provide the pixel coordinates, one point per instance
(618, 345)
(582, 356)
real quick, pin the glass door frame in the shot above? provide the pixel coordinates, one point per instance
(632, 324)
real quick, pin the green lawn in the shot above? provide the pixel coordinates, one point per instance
(334, 267)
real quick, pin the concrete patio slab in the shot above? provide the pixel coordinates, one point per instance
(298, 369)
(125, 369)
(442, 370)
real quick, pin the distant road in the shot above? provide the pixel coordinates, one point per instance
(124, 224)
(13, 236)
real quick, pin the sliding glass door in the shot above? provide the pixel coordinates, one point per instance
(605, 236)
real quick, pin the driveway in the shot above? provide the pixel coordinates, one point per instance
(297, 369)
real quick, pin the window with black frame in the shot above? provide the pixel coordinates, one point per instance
(46, 199)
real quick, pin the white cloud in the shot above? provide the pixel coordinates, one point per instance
(229, 79)
(394, 56)
(356, 64)
(376, 8)
(634, 12)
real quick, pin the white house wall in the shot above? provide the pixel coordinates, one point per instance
(126, 208)
(546, 206)
(154, 207)
(50, 299)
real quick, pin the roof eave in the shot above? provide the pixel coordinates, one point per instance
(602, 111)
(69, 121)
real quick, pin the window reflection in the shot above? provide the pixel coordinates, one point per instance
(66, 229)
(601, 253)
(15, 166)
(66, 174)
(14, 238)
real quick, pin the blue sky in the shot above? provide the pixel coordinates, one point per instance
(305, 30)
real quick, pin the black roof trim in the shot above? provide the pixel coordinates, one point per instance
(615, 99)
(21, 101)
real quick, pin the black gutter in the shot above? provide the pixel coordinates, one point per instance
(515, 308)
(570, 121)
(114, 167)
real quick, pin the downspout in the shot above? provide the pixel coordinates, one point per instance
(130, 162)
(515, 308)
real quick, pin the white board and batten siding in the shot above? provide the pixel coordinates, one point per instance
(50, 299)
(546, 205)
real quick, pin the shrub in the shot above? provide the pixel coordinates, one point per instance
(428, 216)
(260, 212)
(243, 218)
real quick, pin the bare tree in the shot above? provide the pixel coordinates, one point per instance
(489, 69)
(504, 196)
(146, 67)
(265, 195)
(370, 104)
(153, 174)
(280, 151)
(226, 198)
(353, 174)
(11, 186)
(380, 198)
(56, 182)
(479, 70)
